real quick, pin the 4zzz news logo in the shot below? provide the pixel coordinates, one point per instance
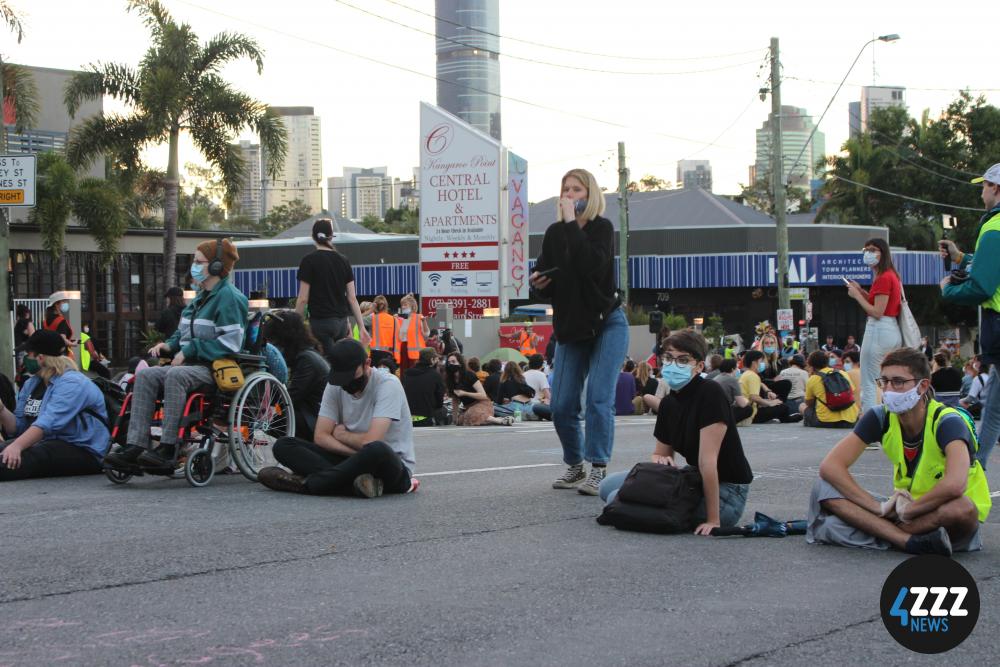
(930, 604)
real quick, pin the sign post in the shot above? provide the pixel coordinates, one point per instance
(460, 213)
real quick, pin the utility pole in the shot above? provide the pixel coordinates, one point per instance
(6, 316)
(622, 224)
(778, 178)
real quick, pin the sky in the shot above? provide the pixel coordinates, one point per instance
(681, 80)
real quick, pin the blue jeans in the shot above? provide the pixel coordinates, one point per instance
(881, 336)
(989, 429)
(732, 498)
(598, 362)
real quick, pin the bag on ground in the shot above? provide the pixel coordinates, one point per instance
(655, 498)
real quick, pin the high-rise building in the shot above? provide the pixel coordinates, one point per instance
(250, 195)
(694, 174)
(854, 118)
(301, 176)
(468, 68)
(799, 153)
(874, 97)
(366, 191)
(409, 192)
(336, 196)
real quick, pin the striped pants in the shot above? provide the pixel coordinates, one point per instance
(174, 383)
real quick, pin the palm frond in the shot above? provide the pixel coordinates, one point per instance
(99, 206)
(225, 47)
(154, 15)
(273, 140)
(55, 189)
(120, 137)
(12, 20)
(114, 79)
(21, 93)
(212, 139)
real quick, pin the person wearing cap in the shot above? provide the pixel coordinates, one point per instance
(59, 425)
(363, 443)
(213, 326)
(326, 285)
(982, 288)
(170, 316)
(57, 319)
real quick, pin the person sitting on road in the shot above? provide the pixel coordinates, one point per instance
(307, 368)
(535, 378)
(212, 326)
(363, 443)
(818, 412)
(424, 388)
(944, 376)
(476, 367)
(734, 394)
(772, 367)
(711, 366)
(491, 385)
(696, 421)
(470, 405)
(59, 425)
(625, 389)
(764, 403)
(940, 493)
(647, 385)
(796, 374)
(515, 393)
(978, 390)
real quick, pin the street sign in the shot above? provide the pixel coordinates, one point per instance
(786, 319)
(809, 311)
(798, 293)
(17, 180)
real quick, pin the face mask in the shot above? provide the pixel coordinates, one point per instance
(356, 385)
(677, 376)
(383, 370)
(898, 402)
(738, 372)
(870, 258)
(405, 312)
(453, 368)
(86, 330)
(831, 362)
(769, 349)
(198, 273)
(64, 307)
(848, 365)
(579, 206)
(30, 365)
(761, 367)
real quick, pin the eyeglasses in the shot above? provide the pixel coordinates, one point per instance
(895, 383)
(680, 360)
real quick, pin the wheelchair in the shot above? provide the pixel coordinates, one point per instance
(256, 415)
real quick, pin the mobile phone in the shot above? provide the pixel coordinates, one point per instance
(846, 281)
(548, 272)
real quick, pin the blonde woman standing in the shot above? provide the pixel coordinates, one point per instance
(411, 334)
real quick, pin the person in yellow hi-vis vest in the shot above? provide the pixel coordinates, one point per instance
(366, 322)
(90, 358)
(383, 333)
(940, 493)
(412, 333)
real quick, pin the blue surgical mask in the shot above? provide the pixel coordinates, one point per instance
(64, 307)
(198, 273)
(848, 365)
(870, 258)
(769, 350)
(579, 206)
(761, 366)
(677, 376)
(831, 362)
(739, 372)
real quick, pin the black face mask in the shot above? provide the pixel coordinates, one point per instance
(453, 368)
(356, 385)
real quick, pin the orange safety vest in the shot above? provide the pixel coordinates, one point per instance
(527, 349)
(54, 326)
(384, 327)
(414, 337)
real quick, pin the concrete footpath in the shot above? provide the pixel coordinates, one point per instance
(485, 565)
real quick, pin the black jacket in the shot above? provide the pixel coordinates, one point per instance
(168, 320)
(424, 388)
(307, 376)
(583, 291)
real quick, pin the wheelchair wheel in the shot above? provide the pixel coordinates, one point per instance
(117, 476)
(199, 469)
(261, 413)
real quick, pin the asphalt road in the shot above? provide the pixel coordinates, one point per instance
(480, 567)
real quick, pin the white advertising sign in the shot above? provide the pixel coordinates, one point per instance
(786, 319)
(460, 185)
(515, 233)
(17, 180)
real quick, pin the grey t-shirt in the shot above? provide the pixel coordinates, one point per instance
(731, 385)
(383, 397)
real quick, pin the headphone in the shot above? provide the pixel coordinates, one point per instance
(216, 267)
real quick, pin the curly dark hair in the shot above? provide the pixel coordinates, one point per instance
(288, 332)
(452, 378)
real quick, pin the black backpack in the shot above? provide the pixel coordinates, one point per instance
(839, 394)
(656, 498)
(114, 396)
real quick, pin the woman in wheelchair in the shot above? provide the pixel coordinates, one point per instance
(211, 327)
(59, 424)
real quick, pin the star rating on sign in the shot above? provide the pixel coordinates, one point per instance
(465, 254)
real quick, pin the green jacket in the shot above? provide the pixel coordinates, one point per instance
(983, 286)
(213, 325)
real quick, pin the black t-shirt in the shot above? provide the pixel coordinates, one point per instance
(64, 328)
(467, 382)
(21, 332)
(492, 386)
(684, 413)
(327, 272)
(650, 388)
(947, 379)
(512, 388)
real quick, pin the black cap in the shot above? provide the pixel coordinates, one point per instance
(46, 342)
(345, 356)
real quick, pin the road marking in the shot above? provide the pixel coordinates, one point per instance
(995, 494)
(463, 472)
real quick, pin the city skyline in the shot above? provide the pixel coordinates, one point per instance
(556, 117)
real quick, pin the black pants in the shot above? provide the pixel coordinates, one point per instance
(329, 330)
(52, 458)
(781, 388)
(769, 412)
(810, 418)
(739, 414)
(329, 474)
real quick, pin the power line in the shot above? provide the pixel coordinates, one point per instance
(529, 103)
(567, 49)
(534, 60)
(896, 194)
(865, 85)
(753, 100)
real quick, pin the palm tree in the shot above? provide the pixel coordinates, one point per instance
(176, 88)
(55, 191)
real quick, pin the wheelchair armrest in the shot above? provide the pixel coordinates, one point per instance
(244, 358)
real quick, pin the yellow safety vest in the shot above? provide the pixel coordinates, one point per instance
(84, 354)
(992, 225)
(931, 460)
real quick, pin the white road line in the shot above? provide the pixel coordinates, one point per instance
(463, 472)
(995, 494)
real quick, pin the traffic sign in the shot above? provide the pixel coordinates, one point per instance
(798, 293)
(786, 319)
(17, 180)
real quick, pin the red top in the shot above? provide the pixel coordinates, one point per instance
(887, 283)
